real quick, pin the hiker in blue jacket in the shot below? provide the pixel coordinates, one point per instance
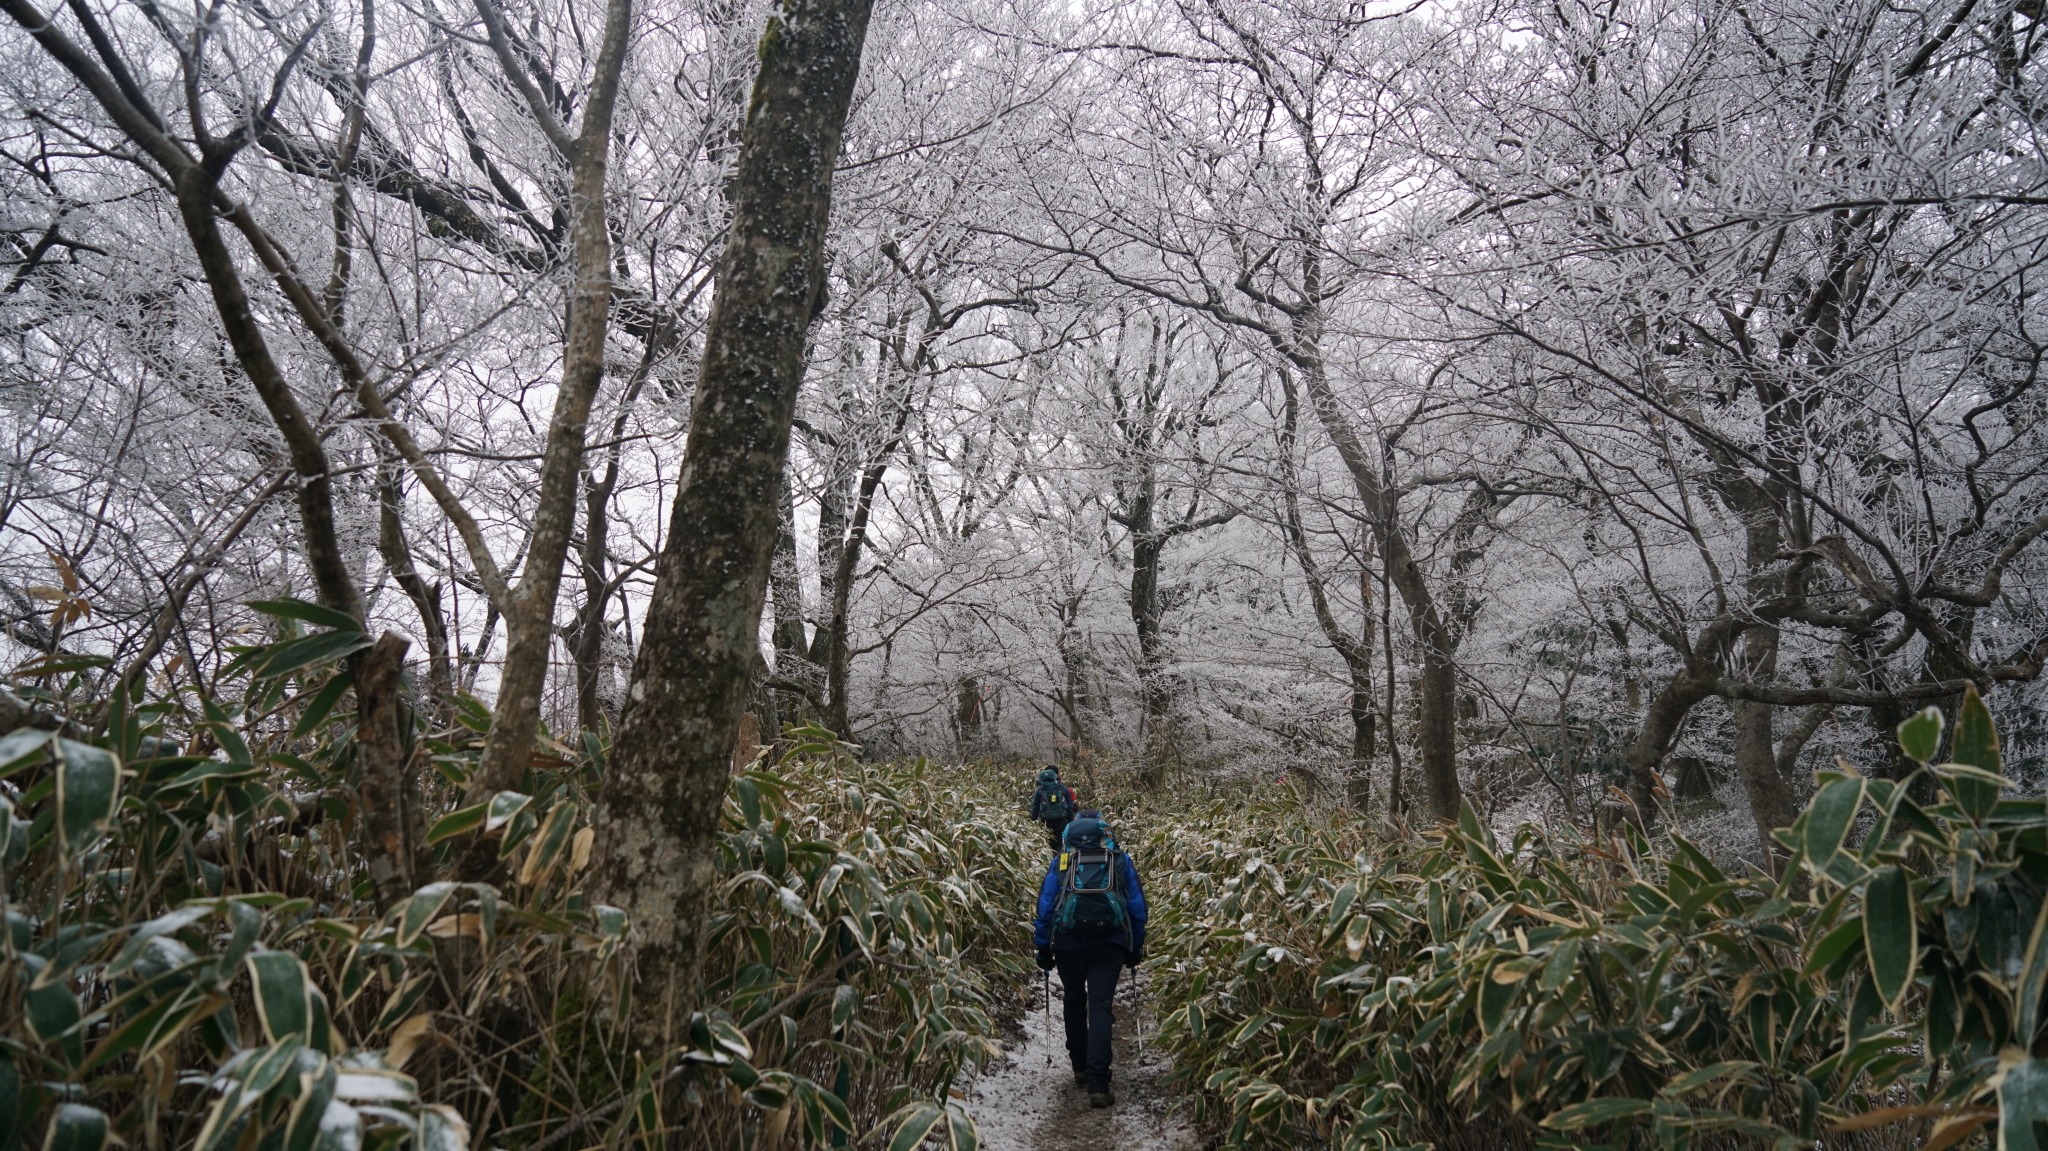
(1091, 925)
(1052, 804)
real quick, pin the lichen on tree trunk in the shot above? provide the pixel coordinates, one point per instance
(670, 764)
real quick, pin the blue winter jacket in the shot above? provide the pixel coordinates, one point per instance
(1049, 897)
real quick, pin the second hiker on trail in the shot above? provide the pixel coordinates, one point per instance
(1091, 925)
(1053, 804)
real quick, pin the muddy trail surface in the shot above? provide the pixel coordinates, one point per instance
(1023, 1104)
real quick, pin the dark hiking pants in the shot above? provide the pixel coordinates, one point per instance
(1088, 979)
(1057, 828)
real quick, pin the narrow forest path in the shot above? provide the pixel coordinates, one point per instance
(1023, 1104)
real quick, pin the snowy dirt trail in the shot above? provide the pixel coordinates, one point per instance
(1021, 1104)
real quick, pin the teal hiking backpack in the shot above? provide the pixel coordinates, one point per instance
(1091, 900)
(1053, 803)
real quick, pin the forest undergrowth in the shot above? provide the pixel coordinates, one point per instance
(1325, 985)
(197, 954)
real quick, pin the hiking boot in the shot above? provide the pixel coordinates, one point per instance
(1080, 1079)
(1100, 1097)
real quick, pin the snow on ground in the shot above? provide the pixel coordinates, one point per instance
(1023, 1104)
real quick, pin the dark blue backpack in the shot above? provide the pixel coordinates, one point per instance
(1052, 803)
(1091, 903)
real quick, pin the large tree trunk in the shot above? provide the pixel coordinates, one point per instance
(1364, 738)
(787, 585)
(530, 616)
(394, 828)
(587, 639)
(967, 717)
(671, 763)
(1155, 689)
(1668, 709)
(1771, 800)
(1436, 737)
(1074, 701)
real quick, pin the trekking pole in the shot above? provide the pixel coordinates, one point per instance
(1045, 978)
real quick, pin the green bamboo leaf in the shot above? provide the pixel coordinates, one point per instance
(283, 994)
(213, 769)
(1495, 998)
(1891, 931)
(2001, 936)
(1595, 1112)
(770, 1092)
(1683, 1085)
(244, 922)
(729, 1039)
(913, 1123)
(312, 613)
(961, 1131)
(1976, 741)
(341, 1128)
(421, 909)
(548, 844)
(503, 806)
(13, 1113)
(252, 1077)
(22, 747)
(1828, 817)
(230, 740)
(166, 924)
(1920, 736)
(1468, 823)
(1942, 1011)
(1562, 967)
(88, 783)
(835, 1109)
(60, 664)
(309, 1111)
(161, 1022)
(1975, 790)
(457, 822)
(50, 1007)
(1341, 904)
(748, 794)
(471, 713)
(77, 1127)
(2022, 1103)
(314, 650)
(517, 829)
(442, 1128)
(322, 705)
(1833, 945)
(2033, 973)
(321, 1037)
(399, 1004)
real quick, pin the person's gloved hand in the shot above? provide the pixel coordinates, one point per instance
(1136, 958)
(1045, 959)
